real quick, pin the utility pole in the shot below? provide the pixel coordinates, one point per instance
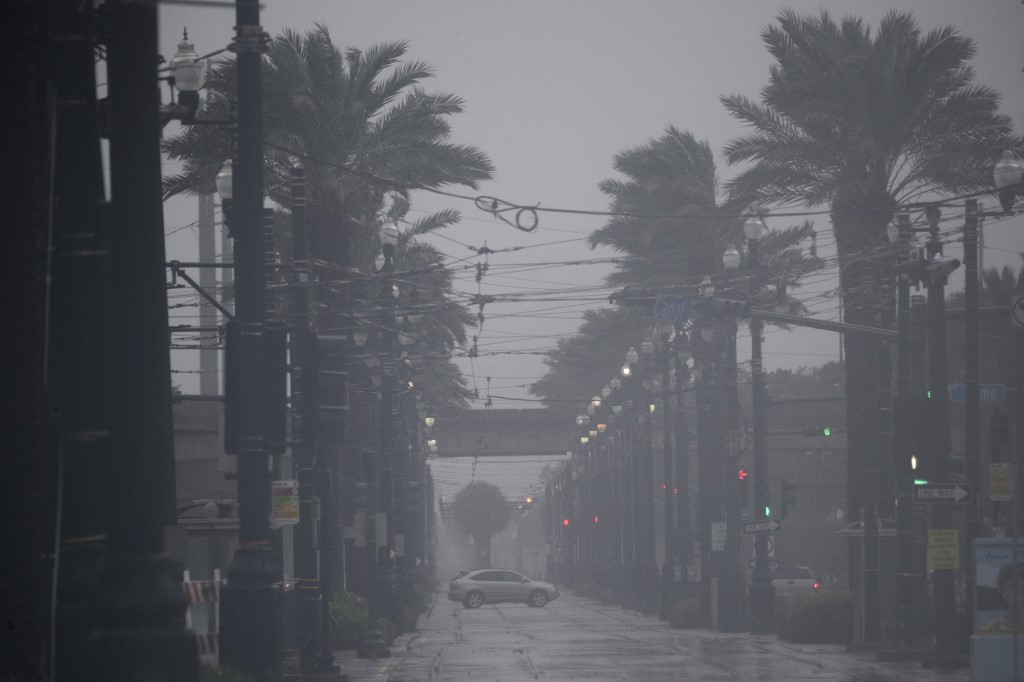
(142, 631)
(667, 568)
(972, 420)
(944, 609)
(904, 484)
(250, 602)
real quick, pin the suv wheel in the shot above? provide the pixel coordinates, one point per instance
(538, 598)
(474, 600)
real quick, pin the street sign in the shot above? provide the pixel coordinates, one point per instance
(719, 535)
(943, 550)
(669, 309)
(772, 563)
(1000, 482)
(762, 526)
(1017, 311)
(286, 502)
(986, 392)
(950, 493)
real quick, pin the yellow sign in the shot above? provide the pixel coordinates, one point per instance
(1000, 482)
(286, 502)
(943, 550)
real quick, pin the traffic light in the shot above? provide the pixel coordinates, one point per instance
(357, 496)
(723, 308)
(743, 476)
(414, 496)
(922, 437)
(331, 383)
(255, 388)
(824, 431)
(787, 498)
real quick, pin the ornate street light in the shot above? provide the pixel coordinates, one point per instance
(223, 181)
(1006, 174)
(187, 77)
(731, 259)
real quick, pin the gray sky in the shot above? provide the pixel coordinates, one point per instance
(553, 89)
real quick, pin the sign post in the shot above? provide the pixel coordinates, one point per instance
(761, 527)
(943, 493)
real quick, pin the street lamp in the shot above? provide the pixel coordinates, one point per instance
(187, 78)
(762, 592)
(1006, 175)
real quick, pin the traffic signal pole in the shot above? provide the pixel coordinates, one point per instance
(944, 606)
(250, 602)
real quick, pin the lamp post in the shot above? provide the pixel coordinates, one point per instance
(762, 593)
(379, 569)
(669, 490)
(730, 583)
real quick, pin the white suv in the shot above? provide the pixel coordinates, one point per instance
(789, 580)
(492, 585)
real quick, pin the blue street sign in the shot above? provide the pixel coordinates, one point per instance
(986, 392)
(669, 309)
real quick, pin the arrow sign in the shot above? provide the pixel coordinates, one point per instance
(772, 563)
(763, 526)
(948, 493)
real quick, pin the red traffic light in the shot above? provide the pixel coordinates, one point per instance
(595, 519)
(565, 522)
(743, 474)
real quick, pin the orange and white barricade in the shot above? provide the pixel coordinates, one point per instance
(206, 592)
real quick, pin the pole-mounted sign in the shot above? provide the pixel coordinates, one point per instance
(763, 526)
(948, 493)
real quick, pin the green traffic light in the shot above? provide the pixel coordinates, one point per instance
(929, 394)
(827, 431)
(767, 512)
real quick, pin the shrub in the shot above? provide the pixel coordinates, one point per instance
(349, 612)
(686, 613)
(815, 618)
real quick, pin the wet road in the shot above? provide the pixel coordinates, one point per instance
(575, 638)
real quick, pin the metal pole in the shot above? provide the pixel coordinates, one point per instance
(870, 549)
(303, 348)
(667, 568)
(904, 484)
(972, 421)
(142, 622)
(378, 559)
(762, 592)
(250, 603)
(944, 609)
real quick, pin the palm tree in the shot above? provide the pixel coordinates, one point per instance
(367, 134)
(673, 176)
(864, 123)
(482, 511)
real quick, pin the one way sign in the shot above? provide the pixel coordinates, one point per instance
(763, 526)
(949, 493)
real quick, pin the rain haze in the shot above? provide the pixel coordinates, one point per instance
(552, 92)
(717, 374)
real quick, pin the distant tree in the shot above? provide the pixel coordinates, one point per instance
(482, 511)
